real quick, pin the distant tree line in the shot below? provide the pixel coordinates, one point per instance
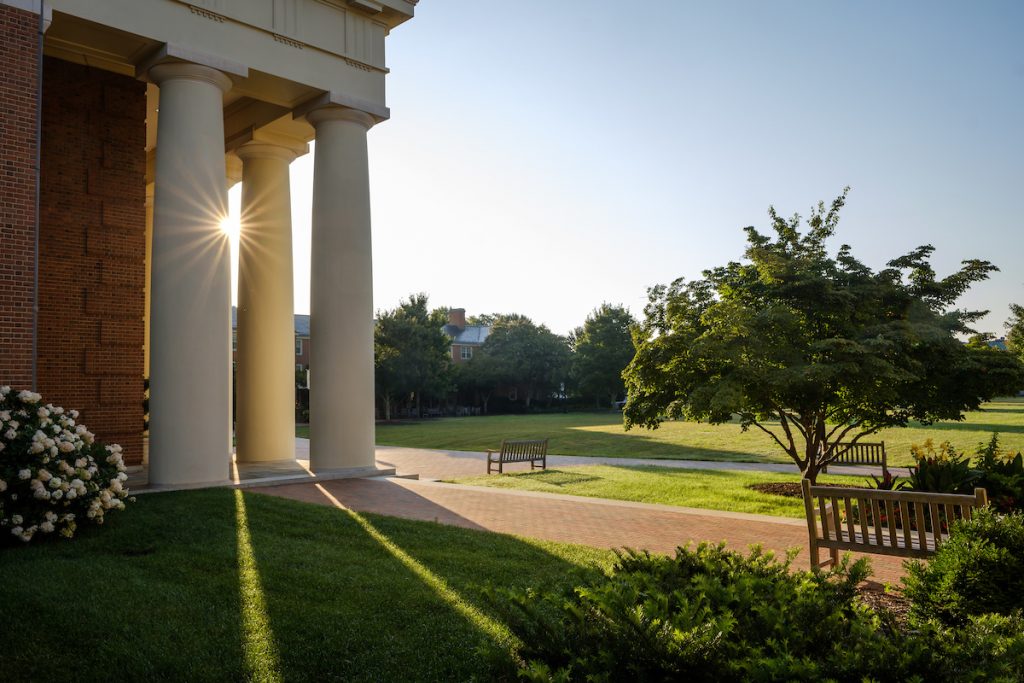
(525, 364)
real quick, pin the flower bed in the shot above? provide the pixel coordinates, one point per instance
(53, 473)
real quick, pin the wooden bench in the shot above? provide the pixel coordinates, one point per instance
(519, 451)
(860, 453)
(902, 523)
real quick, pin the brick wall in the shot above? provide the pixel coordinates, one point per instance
(18, 36)
(92, 249)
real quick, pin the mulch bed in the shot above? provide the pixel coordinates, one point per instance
(892, 602)
(792, 489)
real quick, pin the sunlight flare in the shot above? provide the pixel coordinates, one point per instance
(231, 226)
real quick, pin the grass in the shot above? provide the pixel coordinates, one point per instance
(705, 489)
(602, 434)
(224, 585)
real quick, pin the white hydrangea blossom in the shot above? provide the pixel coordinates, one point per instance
(57, 462)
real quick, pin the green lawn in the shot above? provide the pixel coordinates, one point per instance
(707, 489)
(219, 585)
(602, 434)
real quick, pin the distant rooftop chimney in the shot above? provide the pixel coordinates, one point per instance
(457, 318)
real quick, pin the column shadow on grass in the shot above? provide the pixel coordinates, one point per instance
(151, 595)
(357, 596)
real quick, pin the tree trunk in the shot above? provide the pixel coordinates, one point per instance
(419, 409)
(387, 407)
(485, 399)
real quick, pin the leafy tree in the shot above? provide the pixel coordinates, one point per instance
(602, 349)
(812, 349)
(527, 355)
(1015, 330)
(411, 352)
(482, 375)
(486, 319)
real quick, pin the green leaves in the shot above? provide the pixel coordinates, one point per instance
(411, 352)
(821, 343)
(602, 349)
(519, 353)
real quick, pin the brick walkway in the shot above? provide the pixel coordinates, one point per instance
(569, 519)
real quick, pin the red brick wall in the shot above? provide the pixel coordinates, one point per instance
(92, 249)
(17, 192)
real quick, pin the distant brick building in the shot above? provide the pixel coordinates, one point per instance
(466, 339)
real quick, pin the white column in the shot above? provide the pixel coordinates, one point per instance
(190, 326)
(265, 358)
(341, 294)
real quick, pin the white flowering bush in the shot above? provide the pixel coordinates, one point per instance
(53, 473)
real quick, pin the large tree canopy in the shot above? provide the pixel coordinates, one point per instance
(602, 349)
(525, 355)
(810, 348)
(411, 352)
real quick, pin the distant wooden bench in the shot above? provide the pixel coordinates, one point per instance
(902, 523)
(860, 453)
(519, 451)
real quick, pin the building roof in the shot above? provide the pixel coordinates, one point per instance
(469, 335)
(998, 343)
(301, 322)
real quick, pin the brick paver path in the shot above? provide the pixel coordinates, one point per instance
(595, 522)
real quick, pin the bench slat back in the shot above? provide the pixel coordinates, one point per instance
(905, 523)
(860, 453)
(519, 451)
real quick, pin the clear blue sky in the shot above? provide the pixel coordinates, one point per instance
(545, 157)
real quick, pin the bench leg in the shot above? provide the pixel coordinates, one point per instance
(833, 556)
(815, 557)
(501, 466)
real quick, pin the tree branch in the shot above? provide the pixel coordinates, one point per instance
(777, 440)
(796, 423)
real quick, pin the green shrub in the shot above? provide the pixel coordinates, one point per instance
(715, 615)
(941, 470)
(704, 615)
(989, 647)
(1001, 474)
(978, 570)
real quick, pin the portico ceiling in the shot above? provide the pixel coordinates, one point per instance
(309, 50)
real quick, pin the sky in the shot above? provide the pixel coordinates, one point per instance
(542, 158)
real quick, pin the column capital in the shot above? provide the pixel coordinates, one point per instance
(265, 150)
(340, 113)
(161, 73)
